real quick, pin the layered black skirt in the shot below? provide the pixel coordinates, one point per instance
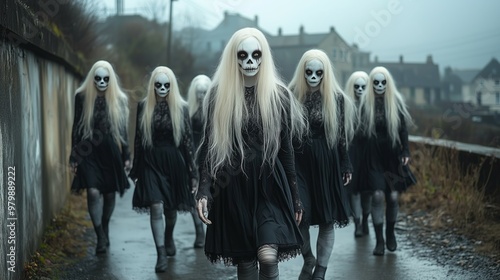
(100, 166)
(322, 192)
(162, 177)
(251, 208)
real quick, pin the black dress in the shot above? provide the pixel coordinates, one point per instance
(197, 124)
(100, 161)
(384, 169)
(163, 170)
(254, 204)
(320, 168)
(357, 149)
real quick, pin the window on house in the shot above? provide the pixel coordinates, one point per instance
(209, 46)
(479, 98)
(497, 82)
(334, 54)
(497, 97)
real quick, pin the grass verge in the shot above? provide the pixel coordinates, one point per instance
(63, 241)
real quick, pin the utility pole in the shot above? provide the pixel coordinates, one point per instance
(169, 38)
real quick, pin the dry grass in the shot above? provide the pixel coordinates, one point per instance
(453, 196)
(62, 241)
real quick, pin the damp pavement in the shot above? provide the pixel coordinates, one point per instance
(132, 255)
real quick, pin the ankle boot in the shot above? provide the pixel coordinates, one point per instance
(199, 242)
(169, 236)
(161, 261)
(101, 240)
(380, 246)
(364, 224)
(357, 228)
(319, 272)
(391, 237)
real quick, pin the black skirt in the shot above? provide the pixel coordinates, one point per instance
(322, 191)
(251, 209)
(101, 167)
(162, 177)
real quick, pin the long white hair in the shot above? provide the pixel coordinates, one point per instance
(193, 101)
(175, 103)
(349, 90)
(394, 105)
(330, 92)
(228, 109)
(116, 100)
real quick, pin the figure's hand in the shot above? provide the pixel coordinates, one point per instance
(202, 208)
(74, 167)
(194, 185)
(298, 216)
(347, 177)
(128, 166)
(405, 160)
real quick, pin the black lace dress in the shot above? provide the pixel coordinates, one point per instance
(254, 204)
(197, 124)
(384, 169)
(100, 159)
(320, 168)
(163, 170)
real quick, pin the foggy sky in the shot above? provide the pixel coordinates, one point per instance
(463, 34)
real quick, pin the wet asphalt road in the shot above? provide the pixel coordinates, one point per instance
(132, 255)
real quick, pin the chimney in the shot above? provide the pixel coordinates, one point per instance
(256, 20)
(301, 30)
(401, 59)
(332, 29)
(376, 59)
(279, 31)
(429, 59)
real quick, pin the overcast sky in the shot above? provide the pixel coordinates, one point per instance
(463, 34)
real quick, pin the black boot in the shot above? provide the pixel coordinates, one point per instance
(391, 237)
(307, 268)
(380, 246)
(161, 261)
(169, 235)
(101, 240)
(364, 224)
(357, 228)
(319, 272)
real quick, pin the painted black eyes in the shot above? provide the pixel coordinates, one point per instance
(309, 72)
(244, 55)
(376, 82)
(358, 86)
(159, 85)
(99, 78)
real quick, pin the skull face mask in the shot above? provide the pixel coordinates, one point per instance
(359, 87)
(101, 79)
(314, 72)
(162, 85)
(249, 56)
(379, 83)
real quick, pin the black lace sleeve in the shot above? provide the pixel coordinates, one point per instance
(403, 137)
(124, 143)
(204, 169)
(76, 135)
(287, 159)
(187, 147)
(138, 148)
(345, 161)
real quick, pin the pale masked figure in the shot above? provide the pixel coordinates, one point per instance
(246, 157)
(385, 120)
(322, 162)
(164, 167)
(356, 87)
(100, 154)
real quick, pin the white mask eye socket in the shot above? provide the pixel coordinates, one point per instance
(379, 83)
(314, 71)
(162, 85)
(249, 56)
(101, 78)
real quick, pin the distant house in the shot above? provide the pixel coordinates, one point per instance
(207, 46)
(456, 84)
(486, 86)
(418, 82)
